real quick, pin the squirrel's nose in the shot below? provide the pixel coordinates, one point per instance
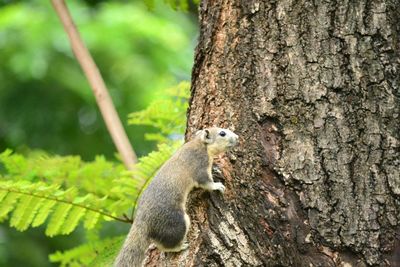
(234, 139)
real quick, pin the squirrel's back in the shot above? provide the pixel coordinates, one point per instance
(174, 180)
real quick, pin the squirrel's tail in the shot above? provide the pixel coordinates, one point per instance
(134, 249)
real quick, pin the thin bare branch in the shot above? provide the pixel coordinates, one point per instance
(98, 86)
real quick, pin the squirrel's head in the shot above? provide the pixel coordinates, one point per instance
(217, 140)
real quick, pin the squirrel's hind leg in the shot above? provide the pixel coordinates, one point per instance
(173, 236)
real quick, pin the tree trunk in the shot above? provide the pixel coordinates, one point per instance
(312, 88)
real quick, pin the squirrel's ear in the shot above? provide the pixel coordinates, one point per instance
(205, 136)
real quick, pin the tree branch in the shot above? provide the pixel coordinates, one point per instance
(98, 86)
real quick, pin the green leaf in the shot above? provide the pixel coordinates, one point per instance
(107, 251)
(99, 253)
(168, 116)
(33, 203)
(8, 204)
(3, 194)
(24, 213)
(72, 220)
(91, 219)
(57, 219)
(43, 213)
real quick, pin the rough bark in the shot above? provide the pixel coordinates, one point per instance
(312, 88)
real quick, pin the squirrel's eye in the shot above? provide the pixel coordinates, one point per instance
(222, 133)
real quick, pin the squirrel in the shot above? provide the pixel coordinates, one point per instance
(161, 216)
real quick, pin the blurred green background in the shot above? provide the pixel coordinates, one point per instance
(45, 100)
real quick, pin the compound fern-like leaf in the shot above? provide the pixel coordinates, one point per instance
(168, 116)
(91, 219)
(99, 253)
(32, 204)
(57, 219)
(25, 212)
(72, 220)
(7, 204)
(43, 213)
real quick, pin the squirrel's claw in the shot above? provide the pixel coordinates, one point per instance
(219, 186)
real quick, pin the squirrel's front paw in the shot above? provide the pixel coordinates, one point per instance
(217, 170)
(219, 186)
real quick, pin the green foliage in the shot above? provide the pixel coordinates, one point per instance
(34, 203)
(100, 253)
(88, 182)
(45, 100)
(178, 4)
(168, 116)
(175, 4)
(63, 192)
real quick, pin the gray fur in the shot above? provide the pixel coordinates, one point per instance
(160, 216)
(133, 251)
